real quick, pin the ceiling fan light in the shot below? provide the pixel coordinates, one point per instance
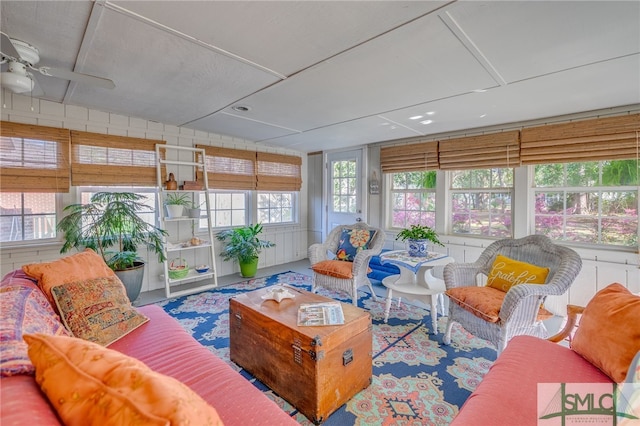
(15, 82)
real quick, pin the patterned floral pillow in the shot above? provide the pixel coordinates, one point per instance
(352, 241)
(97, 309)
(23, 310)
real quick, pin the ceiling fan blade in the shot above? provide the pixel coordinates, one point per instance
(37, 89)
(78, 77)
(6, 47)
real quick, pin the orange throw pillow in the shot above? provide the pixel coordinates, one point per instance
(334, 268)
(484, 302)
(609, 332)
(506, 272)
(78, 267)
(91, 385)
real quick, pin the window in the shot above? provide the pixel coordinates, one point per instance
(588, 202)
(149, 201)
(27, 216)
(481, 202)
(275, 207)
(413, 196)
(344, 179)
(227, 208)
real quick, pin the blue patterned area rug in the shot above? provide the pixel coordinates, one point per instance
(416, 379)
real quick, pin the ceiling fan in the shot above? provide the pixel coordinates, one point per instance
(22, 58)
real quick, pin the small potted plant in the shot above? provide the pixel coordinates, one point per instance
(193, 210)
(176, 203)
(418, 238)
(243, 245)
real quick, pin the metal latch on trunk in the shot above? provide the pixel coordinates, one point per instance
(347, 356)
(315, 355)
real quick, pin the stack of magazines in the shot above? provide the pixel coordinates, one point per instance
(325, 313)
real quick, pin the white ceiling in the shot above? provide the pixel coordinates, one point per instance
(320, 75)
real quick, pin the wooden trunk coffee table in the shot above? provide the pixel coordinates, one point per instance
(315, 368)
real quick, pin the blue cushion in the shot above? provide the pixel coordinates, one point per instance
(352, 241)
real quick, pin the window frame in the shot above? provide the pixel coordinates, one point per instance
(39, 241)
(294, 207)
(80, 190)
(490, 191)
(598, 188)
(391, 191)
(247, 207)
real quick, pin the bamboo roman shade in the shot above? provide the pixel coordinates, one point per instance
(34, 158)
(480, 152)
(409, 158)
(277, 172)
(587, 140)
(230, 168)
(98, 159)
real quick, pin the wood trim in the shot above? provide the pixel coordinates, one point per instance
(572, 317)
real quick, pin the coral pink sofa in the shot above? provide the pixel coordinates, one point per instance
(524, 382)
(507, 395)
(165, 347)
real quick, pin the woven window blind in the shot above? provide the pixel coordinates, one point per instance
(409, 158)
(33, 158)
(99, 159)
(277, 172)
(230, 168)
(608, 138)
(481, 152)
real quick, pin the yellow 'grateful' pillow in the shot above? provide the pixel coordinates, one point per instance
(506, 272)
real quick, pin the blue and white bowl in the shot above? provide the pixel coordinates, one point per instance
(201, 269)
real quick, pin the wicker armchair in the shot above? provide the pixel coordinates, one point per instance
(356, 275)
(519, 310)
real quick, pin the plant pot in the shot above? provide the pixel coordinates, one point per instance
(193, 213)
(249, 269)
(174, 210)
(417, 248)
(132, 279)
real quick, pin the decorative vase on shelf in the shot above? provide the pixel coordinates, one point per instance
(171, 184)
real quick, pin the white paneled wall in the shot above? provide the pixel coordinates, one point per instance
(291, 240)
(314, 190)
(599, 269)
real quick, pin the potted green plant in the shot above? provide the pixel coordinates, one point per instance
(243, 245)
(176, 203)
(418, 238)
(193, 210)
(109, 220)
